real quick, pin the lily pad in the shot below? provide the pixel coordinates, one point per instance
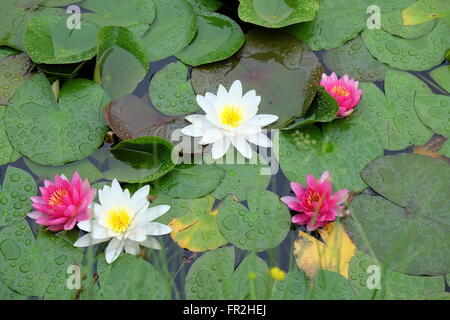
(354, 59)
(281, 68)
(205, 278)
(171, 92)
(53, 133)
(344, 148)
(8, 294)
(14, 71)
(205, 5)
(336, 22)
(241, 174)
(122, 60)
(7, 51)
(218, 37)
(197, 230)
(131, 117)
(426, 10)
(62, 71)
(36, 267)
(18, 186)
(392, 22)
(119, 13)
(393, 285)
(263, 226)
(445, 149)
(277, 13)
(15, 15)
(173, 29)
(190, 181)
(140, 160)
(48, 40)
(404, 240)
(295, 286)
(442, 76)
(131, 277)
(241, 283)
(329, 285)
(417, 54)
(324, 108)
(8, 153)
(434, 111)
(84, 167)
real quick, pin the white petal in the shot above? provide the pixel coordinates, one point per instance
(151, 242)
(100, 232)
(211, 135)
(236, 89)
(260, 140)
(85, 225)
(205, 104)
(220, 147)
(131, 247)
(250, 103)
(139, 198)
(222, 93)
(157, 229)
(193, 130)
(246, 128)
(194, 118)
(242, 146)
(138, 233)
(262, 120)
(113, 249)
(155, 212)
(87, 240)
(211, 97)
(116, 190)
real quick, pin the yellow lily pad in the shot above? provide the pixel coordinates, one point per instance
(197, 230)
(333, 254)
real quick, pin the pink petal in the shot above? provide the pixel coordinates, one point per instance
(298, 189)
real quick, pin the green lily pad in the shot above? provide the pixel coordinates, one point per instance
(242, 289)
(8, 294)
(62, 71)
(122, 60)
(7, 51)
(130, 14)
(218, 37)
(263, 226)
(445, 149)
(54, 133)
(15, 204)
(295, 286)
(48, 40)
(398, 236)
(282, 70)
(205, 5)
(178, 207)
(442, 76)
(36, 267)
(336, 22)
(197, 230)
(171, 93)
(173, 29)
(354, 59)
(417, 54)
(190, 181)
(426, 10)
(241, 174)
(15, 16)
(84, 167)
(205, 278)
(140, 160)
(330, 285)
(344, 148)
(393, 285)
(434, 111)
(277, 13)
(14, 71)
(8, 154)
(324, 108)
(392, 22)
(131, 277)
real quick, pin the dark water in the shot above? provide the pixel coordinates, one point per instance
(173, 262)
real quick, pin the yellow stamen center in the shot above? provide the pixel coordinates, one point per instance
(57, 197)
(231, 116)
(119, 219)
(341, 91)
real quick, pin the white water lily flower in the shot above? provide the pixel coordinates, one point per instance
(230, 119)
(125, 220)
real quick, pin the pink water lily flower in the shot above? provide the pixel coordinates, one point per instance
(63, 203)
(316, 204)
(344, 90)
